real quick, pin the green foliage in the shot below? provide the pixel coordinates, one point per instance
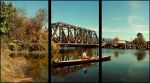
(7, 12)
(4, 30)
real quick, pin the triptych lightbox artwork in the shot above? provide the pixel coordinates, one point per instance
(75, 41)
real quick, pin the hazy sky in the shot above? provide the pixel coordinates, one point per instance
(125, 19)
(81, 13)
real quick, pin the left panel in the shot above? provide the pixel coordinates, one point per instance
(24, 41)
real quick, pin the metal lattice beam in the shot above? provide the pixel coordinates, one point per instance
(70, 34)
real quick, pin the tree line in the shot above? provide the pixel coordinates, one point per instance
(16, 26)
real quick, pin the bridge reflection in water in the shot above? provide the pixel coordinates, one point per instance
(78, 73)
(62, 71)
(72, 54)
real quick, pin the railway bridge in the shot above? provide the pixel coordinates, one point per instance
(70, 35)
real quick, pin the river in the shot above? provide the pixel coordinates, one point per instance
(77, 73)
(126, 65)
(20, 67)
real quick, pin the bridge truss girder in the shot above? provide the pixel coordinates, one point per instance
(66, 33)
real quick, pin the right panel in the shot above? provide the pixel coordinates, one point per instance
(125, 39)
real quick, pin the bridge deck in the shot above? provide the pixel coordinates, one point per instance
(76, 44)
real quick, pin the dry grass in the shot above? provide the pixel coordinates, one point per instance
(12, 69)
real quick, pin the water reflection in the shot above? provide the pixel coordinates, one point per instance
(76, 73)
(128, 65)
(140, 55)
(116, 53)
(36, 66)
(72, 54)
(62, 71)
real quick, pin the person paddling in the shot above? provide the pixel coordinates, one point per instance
(84, 56)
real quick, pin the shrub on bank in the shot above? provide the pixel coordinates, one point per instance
(54, 47)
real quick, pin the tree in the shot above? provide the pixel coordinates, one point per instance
(40, 18)
(7, 12)
(135, 41)
(18, 20)
(140, 40)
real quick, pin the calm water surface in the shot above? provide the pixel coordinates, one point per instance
(36, 66)
(126, 65)
(75, 73)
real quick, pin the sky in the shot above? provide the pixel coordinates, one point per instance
(31, 7)
(124, 19)
(80, 13)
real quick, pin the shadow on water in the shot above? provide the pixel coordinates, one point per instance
(36, 66)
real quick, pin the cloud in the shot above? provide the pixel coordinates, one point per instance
(136, 24)
(132, 19)
(116, 18)
(126, 30)
(134, 6)
(139, 28)
(135, 19)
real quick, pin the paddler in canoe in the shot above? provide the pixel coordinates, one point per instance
(84, 56)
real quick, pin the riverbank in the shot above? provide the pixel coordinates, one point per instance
(13, 67)
(14, 54)
(11, 70)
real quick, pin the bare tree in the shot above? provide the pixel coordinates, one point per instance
(41, 18)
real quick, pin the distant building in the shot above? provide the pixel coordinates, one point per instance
(122, 41)
(116, 41)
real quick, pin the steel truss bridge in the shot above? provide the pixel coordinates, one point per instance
(69, 35)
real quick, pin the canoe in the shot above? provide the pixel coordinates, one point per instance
(79, 61)
(106, 58)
